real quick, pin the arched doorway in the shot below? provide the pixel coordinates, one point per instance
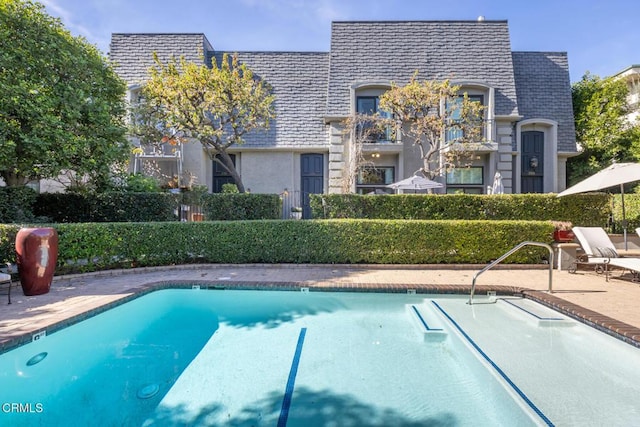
(532, 157)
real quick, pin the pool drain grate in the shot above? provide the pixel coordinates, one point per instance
(148, 391)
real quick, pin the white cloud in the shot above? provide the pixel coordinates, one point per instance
(67, 19)
(56, 10)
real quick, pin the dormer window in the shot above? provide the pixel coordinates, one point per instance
(368, 105)
(454, 133)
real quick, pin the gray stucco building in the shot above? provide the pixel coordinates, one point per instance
(529, 127)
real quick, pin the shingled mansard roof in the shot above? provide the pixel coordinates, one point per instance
(544, 91)
(133, 53)
(299, 83)
(438, 50)
(310, 86)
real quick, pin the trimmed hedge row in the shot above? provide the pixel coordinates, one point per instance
(107, 207)
(16, 204)
(582, 209)
(241, 206)
(632, 209)
(21, 204)
(150, 207)
(97, 246)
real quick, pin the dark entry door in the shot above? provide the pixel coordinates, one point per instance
(532, 162)
(221, 176)
(312, 173)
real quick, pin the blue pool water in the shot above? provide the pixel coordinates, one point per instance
(236, 358)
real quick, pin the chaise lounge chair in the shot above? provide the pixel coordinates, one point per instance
(600, 251)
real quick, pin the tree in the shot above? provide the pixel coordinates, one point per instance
(437, 119)
(62, 106)
(599, 108)
(360, 128)
(217, 106)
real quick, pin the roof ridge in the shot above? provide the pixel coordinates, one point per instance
(158, 34)
(302, 52)
(435, 21)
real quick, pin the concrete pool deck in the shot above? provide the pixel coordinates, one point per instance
(610, 306)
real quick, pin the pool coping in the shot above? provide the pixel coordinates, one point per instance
(620, 330)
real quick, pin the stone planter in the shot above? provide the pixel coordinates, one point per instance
(37, 255)
(296, 212)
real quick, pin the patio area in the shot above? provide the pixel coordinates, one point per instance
(610, 306)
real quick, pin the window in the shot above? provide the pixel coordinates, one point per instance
(455, 133)
(466, 180)
(375, 179)
(369, 105)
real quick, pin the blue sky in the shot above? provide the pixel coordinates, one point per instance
(601, 37)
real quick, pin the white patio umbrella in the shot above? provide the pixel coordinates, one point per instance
(415, 182)
(616, 174)
(497, 187)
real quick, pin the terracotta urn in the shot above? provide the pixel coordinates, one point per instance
(36, 255)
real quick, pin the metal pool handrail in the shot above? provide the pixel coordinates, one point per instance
(488, 267)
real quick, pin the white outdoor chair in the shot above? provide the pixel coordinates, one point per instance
(600, 252)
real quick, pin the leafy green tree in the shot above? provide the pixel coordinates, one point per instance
(599, 108)
(62, 106)
(443, 123)
(215, 105)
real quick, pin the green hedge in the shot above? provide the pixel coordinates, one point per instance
(7, 242)
(582, 209)
(148, 207)
(96, 246)
(632, 209)
(16, 204)
(241, 206)
(107, 207)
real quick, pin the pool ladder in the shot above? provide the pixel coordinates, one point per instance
(515, 249)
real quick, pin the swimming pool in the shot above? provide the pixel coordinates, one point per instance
(204, 357)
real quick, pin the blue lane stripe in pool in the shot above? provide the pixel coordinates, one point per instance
(495, 366)
(529, 312)
(424, 323)
(288, 391)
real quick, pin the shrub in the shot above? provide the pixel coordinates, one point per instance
(581, 209)
(64, 207)
(7, 242)
(138, 183)
(230, 188)
(134, 207)
(632, 212)
(107, 207)
(96, 246)
(16, 204)
(241, 206)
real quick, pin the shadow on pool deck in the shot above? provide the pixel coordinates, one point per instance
(611, 306)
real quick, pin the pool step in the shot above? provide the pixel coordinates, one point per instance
(534, 312)
(427, 322)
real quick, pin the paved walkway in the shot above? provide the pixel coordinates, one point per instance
(612, 306)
